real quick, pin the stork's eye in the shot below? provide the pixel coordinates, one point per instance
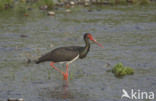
(90, 36)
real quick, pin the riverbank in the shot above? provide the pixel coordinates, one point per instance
(51, 7)
(51, 4)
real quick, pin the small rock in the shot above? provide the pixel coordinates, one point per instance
(26, 14)
(11, 99)
(86, 4)
(68, 10)
(44, 7)
(72, 3)
(67, 6)
(14, 99)
(23, 36)
(20, 99)
(51, 13)
(29, 9)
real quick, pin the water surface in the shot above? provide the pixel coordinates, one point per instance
(126, 32)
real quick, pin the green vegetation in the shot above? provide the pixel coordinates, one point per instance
(120, 70)
(143, 2)
(118, 1)
(23, 5)
(6, 4)
(139, 2)
(48, 3)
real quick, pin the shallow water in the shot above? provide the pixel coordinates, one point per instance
(126, 32)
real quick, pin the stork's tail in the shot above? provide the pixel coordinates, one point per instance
(32, 61)
(37, 61)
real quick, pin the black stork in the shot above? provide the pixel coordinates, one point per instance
(68, 54)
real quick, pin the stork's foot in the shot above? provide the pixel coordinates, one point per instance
(65, 76)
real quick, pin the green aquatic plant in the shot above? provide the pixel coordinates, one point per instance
(48, 3)
(120, 70)
(129, 70)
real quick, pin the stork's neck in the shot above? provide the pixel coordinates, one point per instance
(87, 44)
(85, 49)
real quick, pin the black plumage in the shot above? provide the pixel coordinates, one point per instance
(64, 54)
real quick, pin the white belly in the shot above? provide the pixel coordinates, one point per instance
(69, 62)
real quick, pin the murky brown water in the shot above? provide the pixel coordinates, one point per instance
(128, 35)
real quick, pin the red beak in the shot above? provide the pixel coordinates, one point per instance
(91, 38)
(97, 43)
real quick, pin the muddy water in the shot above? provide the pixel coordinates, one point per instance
(126, 32)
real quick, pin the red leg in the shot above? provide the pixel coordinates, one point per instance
(52, 65)
(65, 75)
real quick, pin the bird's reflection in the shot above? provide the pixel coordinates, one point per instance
(63, 91)
(58, 92)
(66, 92)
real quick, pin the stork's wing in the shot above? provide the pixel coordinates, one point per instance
(61, 54)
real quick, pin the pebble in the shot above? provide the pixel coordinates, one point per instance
(68, 10)
(51, 13)
(72, 2)
(44, 7)
(23, 36)
(15, 99)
